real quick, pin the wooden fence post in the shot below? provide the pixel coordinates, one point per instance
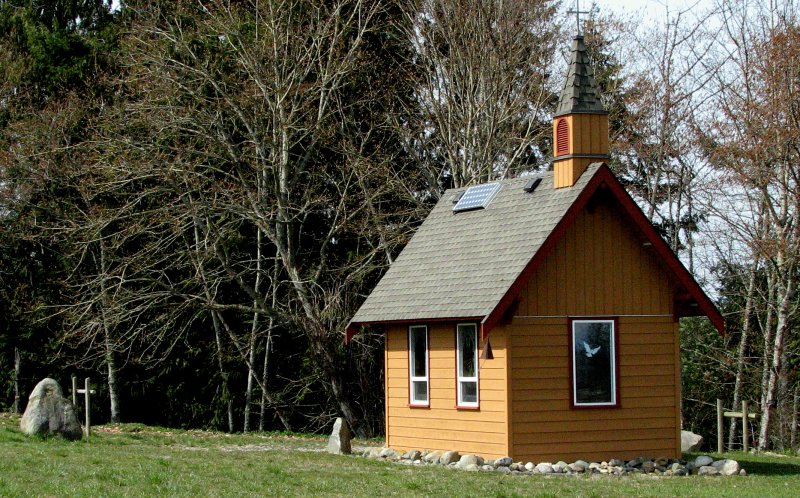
(719, 426)
(745, 435)
(88, 420)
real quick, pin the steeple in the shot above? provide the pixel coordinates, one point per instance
(580, 125)
(580, 93)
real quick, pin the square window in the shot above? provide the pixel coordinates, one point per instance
(594, 368)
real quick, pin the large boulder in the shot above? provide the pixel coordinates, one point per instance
(49, 413)
(690, 441)
(339, 442)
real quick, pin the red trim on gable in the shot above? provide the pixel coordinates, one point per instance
(605, 179)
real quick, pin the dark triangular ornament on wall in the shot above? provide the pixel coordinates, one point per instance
(487, 351)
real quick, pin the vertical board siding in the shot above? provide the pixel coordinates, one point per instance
(600, 267)
(442, 426)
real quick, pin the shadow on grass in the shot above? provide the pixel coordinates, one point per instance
(773, 468)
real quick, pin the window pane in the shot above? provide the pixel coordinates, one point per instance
(469, 392)
(593, 362)
(420, 390)
(467, 337)
(419, 354)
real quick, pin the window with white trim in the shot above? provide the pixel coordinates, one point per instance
(418, 365)
(594, 369)
(467, 364)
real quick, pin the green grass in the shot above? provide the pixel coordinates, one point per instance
(134, 460)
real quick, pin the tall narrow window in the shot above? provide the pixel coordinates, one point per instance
(562, 137)
(594, 363)
(418, 365)
(467, 364)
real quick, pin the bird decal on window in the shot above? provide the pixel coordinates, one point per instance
(589, 351)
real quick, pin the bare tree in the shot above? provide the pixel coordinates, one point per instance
(482, 91)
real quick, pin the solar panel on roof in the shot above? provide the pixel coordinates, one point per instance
(477, 197)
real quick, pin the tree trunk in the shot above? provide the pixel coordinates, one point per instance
(251, 354)
(770, 398)
(793, 431)
(17, 368)
(111, 364)
(743, 344)
(226, 394)
(113, 392)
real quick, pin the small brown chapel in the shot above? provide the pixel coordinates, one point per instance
(537, 317)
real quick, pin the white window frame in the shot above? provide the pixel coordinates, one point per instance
(414, 378)
(460, 379)
(613, 363)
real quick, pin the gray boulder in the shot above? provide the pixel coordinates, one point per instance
(727, 467)
(449, 457)
(467, 460)
(339, 441)
(503, 462)
(707, 470)
(703, 460)
(49, 413)
(690, 441)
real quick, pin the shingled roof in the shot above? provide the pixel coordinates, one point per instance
(579, 94)
(471, 264)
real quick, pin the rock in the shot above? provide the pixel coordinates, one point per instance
(707, 470)
(663, 462)
(676, 466)
(690, 441)
(449, 457)
(544, 468)
(703, 460)
(472, 468)
(636, 462)
(727, 467)
(615, 462)
(575, 467)
(373, 452)
(49, 413)
(503, 462)
(389, 453)
(487, 467)
(529, 466)
(412, 455)
(648, 466)
(514, 466)
(503, 469)
(742, 472)
(562, 464)
(339, 441)
(467, 460)
(581, 463)
(432, 457)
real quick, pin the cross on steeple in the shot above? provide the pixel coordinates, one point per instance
(578, 13)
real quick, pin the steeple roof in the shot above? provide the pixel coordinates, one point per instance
(580, 93)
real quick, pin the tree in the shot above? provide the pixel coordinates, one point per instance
(480, 71)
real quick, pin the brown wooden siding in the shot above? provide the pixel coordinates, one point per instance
(442, 426)
(600, 268)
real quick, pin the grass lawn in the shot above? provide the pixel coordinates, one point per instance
(134, 460)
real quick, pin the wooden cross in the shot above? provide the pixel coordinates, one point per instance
(578, 13)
